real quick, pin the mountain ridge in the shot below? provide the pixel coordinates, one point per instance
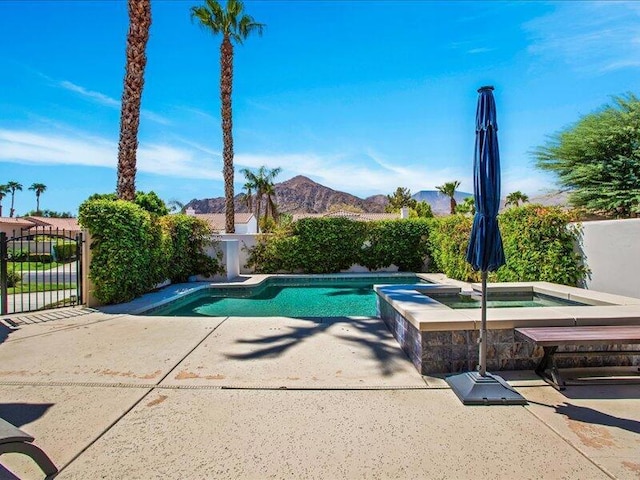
(300, 194)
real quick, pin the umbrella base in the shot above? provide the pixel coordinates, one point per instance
(474, 389)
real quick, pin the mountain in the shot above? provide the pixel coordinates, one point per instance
(440, 204)
(298, 195)
(554, 198)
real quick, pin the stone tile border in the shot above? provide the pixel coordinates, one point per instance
(171, 293)
(439, 339)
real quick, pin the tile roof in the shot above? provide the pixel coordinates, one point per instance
(15, 222)
(68, 224)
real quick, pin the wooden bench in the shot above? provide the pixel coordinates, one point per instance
(14, 440)
(550, 338)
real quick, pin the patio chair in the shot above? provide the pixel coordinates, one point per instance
(14, 440)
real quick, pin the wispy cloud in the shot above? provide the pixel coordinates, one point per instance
(98, 97)
(107, 101)
(475, 51)
(361, 174)
(526, 181)
(591, 37)
(20, 146)
(346, 172)
(199, 113)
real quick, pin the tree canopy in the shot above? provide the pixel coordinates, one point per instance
(449, 189)
(514, 198)
(400, 198)
(598, 159)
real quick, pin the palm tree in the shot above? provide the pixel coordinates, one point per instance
(515, 198)
(468, 205)
(4, 189)
(139, 23)
(248, 196)
(38, 188)
(12, 187)
(271, 209)
(234, 25)
(449, 189)
(252, 188)
(261, 183)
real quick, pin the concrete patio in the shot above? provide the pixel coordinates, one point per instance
(119, 396)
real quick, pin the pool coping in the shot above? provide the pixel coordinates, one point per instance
(427, 314)
(172, 292)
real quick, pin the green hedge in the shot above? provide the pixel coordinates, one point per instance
(134, 250)
(40, 257)
(129, 255)
(538, 246)
(403, 243)
(448, 246)
(64, 251)
(329, 245)
(188, 239)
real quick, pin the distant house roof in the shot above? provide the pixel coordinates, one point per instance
(360, 216)
(68, 224)
(217, 220)
(15, 222)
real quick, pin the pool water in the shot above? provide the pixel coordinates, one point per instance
(503, 300)
(313, 297)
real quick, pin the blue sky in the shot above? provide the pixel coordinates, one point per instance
(360, 96)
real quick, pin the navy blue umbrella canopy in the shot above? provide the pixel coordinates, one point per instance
(485, 251)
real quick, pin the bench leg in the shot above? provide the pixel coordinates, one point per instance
(548, 362)
(38, 456)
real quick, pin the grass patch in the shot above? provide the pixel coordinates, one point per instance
(32, 266)
(41, 287)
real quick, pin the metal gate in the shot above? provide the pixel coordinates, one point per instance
(40, 268)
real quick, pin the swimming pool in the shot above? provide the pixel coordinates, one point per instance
(289, 297)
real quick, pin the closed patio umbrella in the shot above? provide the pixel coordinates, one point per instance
(485, 252)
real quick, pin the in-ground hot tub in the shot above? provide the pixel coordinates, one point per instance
(442, 339)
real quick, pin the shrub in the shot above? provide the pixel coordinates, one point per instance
(188, 239)
(148, 201)
(13, 277)
(403, 243)
(539, 246)
(18, 255)
(449, 237)
(329, 245)
(40, 257)
(129, 252)
(64, 251)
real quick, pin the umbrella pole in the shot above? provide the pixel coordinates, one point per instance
(483, 330)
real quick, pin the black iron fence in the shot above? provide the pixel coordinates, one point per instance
(40, 268)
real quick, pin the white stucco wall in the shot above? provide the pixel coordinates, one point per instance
(245, 242)
(611, 250)
(251, 227)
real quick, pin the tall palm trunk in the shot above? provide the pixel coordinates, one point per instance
(37, 201)
(139, 24)
(11, 210)
(258, 208)
(226, 81)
